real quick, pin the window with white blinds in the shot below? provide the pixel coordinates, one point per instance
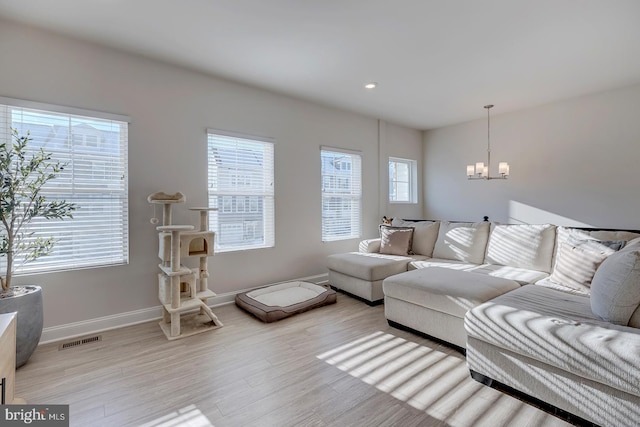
(403, 179)
(241, 187)
(341, 194)
(93, 146)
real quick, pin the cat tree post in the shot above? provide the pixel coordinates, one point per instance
(175, 272)
(204, 226)
(166, 213)
(185, 309)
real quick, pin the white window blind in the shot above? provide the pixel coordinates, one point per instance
(402, 180)
(341, 194)
(94, 147)
(241, 187)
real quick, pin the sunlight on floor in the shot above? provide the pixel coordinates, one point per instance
(427, 379)
(406, 370)
(189, 416)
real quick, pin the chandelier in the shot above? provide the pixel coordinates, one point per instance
(480, 170)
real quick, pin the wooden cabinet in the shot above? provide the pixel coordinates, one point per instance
(8, 356)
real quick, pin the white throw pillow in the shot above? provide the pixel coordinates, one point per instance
(566, 233)
(615, 289)
(527, 246)
(578, 258)
(425, 235)
(576, 266)
(462, 241)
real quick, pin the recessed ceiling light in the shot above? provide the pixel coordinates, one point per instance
(371, 85)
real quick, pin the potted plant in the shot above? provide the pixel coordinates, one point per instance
(23, 174)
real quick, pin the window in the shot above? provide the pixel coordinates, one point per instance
(94, 147)
(241, 187)
(403, 180)
(341, 194)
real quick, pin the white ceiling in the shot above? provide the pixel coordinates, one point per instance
(437, 62)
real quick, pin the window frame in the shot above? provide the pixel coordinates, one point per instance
(412, 182)
(239, 192)
(345, 192)
(90, 188)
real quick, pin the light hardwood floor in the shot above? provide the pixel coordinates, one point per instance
(338, 365)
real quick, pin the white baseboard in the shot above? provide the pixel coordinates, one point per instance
(91, 326)
(100, 324)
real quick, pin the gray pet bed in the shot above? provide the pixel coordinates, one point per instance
(276, 302)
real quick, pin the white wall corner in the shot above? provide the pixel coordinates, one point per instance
(383, 170)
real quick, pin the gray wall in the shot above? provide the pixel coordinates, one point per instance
(572, 162)
(170, 110)
(398, 141)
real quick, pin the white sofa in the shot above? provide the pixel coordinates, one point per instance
(453, 245)
(519, 300)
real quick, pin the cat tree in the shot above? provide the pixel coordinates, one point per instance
(183, 291)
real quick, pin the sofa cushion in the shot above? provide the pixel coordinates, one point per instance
(368, 266)
(559, 329)
(424, 235)
(369, 246)
(439, 262)
(462, 241)
(615, 290)
(547, 283)
(527, 246)
(521, 275)
(395, 240)
(442, 289)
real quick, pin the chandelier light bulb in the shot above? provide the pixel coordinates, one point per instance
(481, 170)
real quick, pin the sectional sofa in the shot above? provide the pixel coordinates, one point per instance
(548, 311)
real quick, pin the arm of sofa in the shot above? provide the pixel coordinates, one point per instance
(370, 246)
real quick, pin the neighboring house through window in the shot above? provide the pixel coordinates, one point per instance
(403, 180)
(94, 147)
(341, 194)
(241, 187)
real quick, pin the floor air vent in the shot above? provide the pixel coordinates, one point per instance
(79, 342)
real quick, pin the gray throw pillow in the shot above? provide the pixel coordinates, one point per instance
(395, 240)
(425, 234)
(615, 288)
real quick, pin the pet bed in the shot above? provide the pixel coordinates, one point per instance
(276, 302)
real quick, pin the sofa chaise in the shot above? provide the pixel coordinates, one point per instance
(548, 311)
